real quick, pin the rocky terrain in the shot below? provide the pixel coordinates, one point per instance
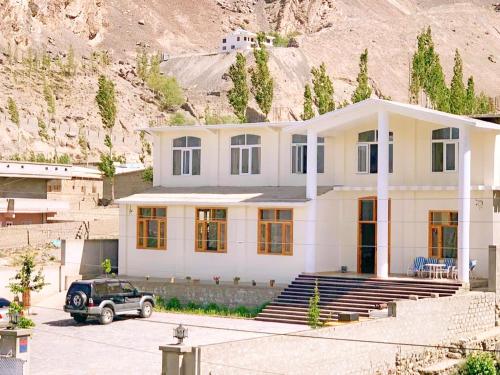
(333, 31)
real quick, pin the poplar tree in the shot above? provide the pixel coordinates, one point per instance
(50, 100)
(308, 104)
(262, 81)
(238, 94)
(106, 103)
(483, 104)
(142, 64)
(470, 97)
(457, 88)
(323, 89)
(14, 117)
(363, 90)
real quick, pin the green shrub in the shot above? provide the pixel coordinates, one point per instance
(314, 311)
(25, 322)
(174, 303)
(192, 306)
(479, 364)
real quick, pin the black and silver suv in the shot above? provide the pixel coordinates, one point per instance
(106, 298)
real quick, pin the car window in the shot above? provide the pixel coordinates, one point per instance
(101, 289)
(77, 287)
(4, 302)
(127, 287)
(114, 287)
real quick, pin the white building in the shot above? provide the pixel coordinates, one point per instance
(370, 187)
(242, 40)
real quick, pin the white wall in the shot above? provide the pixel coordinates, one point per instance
(181, 260)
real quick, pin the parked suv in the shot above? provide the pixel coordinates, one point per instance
(105, 298)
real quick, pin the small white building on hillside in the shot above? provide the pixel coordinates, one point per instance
(368, 187)
(242, 40)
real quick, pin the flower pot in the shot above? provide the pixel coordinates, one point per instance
(254, 283)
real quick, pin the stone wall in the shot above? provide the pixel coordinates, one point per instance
(359, 348)
(208, 292)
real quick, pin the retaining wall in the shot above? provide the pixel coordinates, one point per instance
(359, 348)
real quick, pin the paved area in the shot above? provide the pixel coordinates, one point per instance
(129, 345)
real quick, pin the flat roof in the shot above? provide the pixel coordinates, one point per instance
(222, 195)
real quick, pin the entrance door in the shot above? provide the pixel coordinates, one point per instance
(367, 235)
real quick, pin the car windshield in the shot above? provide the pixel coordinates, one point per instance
(4, 302)
(79, 287)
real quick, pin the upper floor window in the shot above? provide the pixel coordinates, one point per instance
(238, 39)
(245, 154)
(368, 151)
(299, 154)
(186, 156)
(444, 149)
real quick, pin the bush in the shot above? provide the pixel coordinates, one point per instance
(167, 90)
(479, 364)
(174, 303)
(25, 322)
(283, 40)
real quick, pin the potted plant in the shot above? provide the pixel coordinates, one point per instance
(27, 279)
(271, 283)
(188, 279)
(254, 283)
(17, 318)
(216, 279)
(236, 280)
(106, 266)
(147, 277)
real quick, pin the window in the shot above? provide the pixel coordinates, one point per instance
(275, 231)
(223, 48)
(186, 156)
(114, 287)
(299, 154)
(245, 154)
(127, 287)
(100, 289)
(238, 38)
(211, 230)
(443, 233)
(224, 40)
(368, 151)
(232, 47)
(444, 149)
(152, 228)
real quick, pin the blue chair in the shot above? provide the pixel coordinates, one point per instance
(428, 261)
(417, 267)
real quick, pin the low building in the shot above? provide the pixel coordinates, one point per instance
(128, 180)
(26, 211)
(78, 187)
(242, 40)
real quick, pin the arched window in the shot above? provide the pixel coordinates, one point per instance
(445, 149)
(245, 154)
(186, 156)
(368, 151)
(299, 154)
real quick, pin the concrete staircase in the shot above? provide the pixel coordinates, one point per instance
(347, 294)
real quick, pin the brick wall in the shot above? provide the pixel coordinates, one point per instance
(360, 348)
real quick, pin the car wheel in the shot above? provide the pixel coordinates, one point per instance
(106, 316)
(80, 318)
(147, 310)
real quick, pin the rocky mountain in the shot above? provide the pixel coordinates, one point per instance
(105, 35)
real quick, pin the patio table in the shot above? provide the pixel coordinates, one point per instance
(435, 269)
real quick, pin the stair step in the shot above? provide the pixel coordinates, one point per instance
(423, 281)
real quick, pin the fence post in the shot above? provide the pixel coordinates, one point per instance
(180, 360)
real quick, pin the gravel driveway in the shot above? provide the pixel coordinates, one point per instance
(128, 345)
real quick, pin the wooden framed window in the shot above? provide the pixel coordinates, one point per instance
(211, 230)
(275, 231)
(152, 228)
(443, 234)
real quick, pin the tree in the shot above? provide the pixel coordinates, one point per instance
(106, 102)
(147, 174)
(470, 97)
(308, 104)
(457, 88)
(363, 90)
(484, 104)
(262, 81)
(69, 68)
(50, 98)
(27, 279)
(323, 89)
(14, 117)
(145, 147)
(142, 64)
(42, 129)
(238, 94)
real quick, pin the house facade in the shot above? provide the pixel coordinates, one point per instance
(242, 40)
(368, 187)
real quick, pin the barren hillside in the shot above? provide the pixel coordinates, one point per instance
(333, 31)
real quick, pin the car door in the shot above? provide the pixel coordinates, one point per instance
(115, 294)
(132, 299)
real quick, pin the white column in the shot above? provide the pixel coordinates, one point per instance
(311, 193)
(312, 172)
(464, 204)
(383, 196)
